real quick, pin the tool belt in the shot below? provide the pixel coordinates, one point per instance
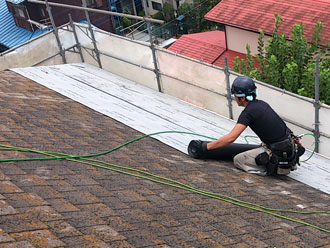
(282, 157)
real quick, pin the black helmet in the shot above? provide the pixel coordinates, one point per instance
(243, 86)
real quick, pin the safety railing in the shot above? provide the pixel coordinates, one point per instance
(159, 73)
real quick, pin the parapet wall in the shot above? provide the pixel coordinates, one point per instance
(193, 81)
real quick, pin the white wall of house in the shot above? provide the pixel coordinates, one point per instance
(154, 6)
(238, 38)
(187, 79)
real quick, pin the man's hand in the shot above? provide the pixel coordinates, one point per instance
(197, 148)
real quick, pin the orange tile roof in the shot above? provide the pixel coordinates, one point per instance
(230, 58)
(255, 15)
(210, 47)
(206, 46)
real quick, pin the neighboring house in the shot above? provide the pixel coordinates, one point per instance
(12, 35)
(243, 19)
(153, 6)
(209, 47)
(24, 11)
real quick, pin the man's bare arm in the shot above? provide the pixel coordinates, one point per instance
(228, 138)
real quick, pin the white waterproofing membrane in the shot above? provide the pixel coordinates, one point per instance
(149, 111)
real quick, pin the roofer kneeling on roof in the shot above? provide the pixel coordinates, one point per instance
(280, 150)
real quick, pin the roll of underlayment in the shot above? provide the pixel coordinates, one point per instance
(224, 153)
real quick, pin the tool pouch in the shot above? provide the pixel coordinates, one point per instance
(272, 165)
(282, 147)
(262, 159)
(283, 158)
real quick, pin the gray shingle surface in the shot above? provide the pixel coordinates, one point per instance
(66, 204)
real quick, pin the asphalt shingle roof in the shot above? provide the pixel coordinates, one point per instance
(64, 204)
(255, 15)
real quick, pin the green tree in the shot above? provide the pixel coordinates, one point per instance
(159, 16)
(204, 7)
(290, 64)
(246, 66)
(168, 11)
(194, 15)
(190, 19)
(126, 22)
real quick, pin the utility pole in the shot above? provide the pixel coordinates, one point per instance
(134, 7)
(145, 7)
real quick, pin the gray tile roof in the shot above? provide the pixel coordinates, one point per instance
(65, 204)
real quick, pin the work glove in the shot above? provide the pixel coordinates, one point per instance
(197, 148)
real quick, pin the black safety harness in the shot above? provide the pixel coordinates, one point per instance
(282, 155)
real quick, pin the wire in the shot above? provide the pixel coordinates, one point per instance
(183, 186)
(153, 175)
(315, 139)
(163, 180)
(249, 136)
(133, 140)
(101, 153)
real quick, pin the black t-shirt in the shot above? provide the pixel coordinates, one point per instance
(264, 121)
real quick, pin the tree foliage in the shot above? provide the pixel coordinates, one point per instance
(168, 11)
(159, 16)
(194, 14)
(290, 63)
(126, 22)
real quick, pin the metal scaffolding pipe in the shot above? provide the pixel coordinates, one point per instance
(190, 59)
(55, 31)
(76, 38)
(154, 58)
(106, 12)
(82, 26)
(52, 56)
(230, 106)
(96, 50)
(120, 59)
(189, 83)
(278, 89)
(317, 103)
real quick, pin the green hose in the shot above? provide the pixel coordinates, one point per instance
(315, 139)
(101, 153)
(160, 177)
(163, 180)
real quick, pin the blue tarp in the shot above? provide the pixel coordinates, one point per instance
(16, 1)
(10, 34)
